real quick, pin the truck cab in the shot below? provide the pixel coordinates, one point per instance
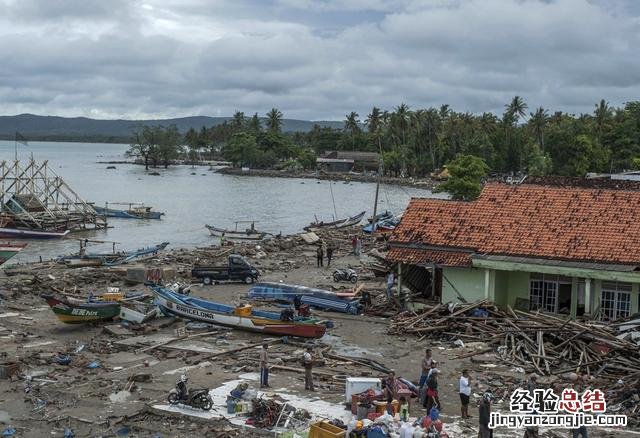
(236, 270)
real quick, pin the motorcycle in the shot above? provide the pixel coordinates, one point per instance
(196, 398)
(345, 275)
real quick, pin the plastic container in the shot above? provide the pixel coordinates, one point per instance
(243, 310)
(231, 405)
(323, 429)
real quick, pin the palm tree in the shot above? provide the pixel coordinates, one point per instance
(254, 126)
(517, 108)
(237, 122)
(374, 120)
(602, 114)
(401, 118)
(274, 120)
(352, 125)
(538, 122)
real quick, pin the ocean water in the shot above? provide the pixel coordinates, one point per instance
(191, 197)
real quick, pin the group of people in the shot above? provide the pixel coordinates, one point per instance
(307, 363)
(323, 250)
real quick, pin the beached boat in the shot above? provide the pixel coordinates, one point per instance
(388, 224)
(74, 311)
(111, 259)
(25, 233)
(135, 211)
(248, 234)
(243, 318)
(8, 250)
(317, 298)
(387, 214)
(341, 223)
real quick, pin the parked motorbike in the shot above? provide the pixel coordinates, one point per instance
(345, 275)
(196, 398)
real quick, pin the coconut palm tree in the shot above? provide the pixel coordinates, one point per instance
(352, 125)
(517, 107)
(374, 120)
(602, 114)
(401, 120)
(274, 120)
(538, 123)
(238, 120)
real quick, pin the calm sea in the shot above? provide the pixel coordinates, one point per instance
(191, 198)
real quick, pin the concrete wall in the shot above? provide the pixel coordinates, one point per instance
(468, 281)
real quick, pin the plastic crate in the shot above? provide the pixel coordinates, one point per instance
(326, 430)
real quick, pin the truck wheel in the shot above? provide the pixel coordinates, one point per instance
(207, 281)
(248, 279)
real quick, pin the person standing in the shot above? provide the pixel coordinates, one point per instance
(354, 244)
(465, 393)
(391, 385)
(307, 361)
(390, 280)
(433, 401)
(222, 239)
(329, 253)
(358, 246)
(484, 416)
(426, 367)
(264, 366)
(319, 256)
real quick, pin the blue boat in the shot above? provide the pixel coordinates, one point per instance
(135, 211)
(387, 224)
(316, 298)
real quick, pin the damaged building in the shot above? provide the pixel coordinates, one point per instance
(564, 250)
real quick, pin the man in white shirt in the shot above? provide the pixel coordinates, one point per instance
(465, 393)
(390, 281)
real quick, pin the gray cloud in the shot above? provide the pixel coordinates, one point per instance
(315, 60)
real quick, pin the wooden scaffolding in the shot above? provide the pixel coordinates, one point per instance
(35, 197)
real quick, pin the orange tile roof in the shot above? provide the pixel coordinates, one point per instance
(564, 223)
(420, 256)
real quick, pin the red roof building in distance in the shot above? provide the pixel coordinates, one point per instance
(568, 250)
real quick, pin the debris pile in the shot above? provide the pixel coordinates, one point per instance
(538, 342)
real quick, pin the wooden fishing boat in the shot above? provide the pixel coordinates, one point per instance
(342, 223)
(25, 233)
(75, 311)
(134, 211)
(317, 298)
(243, 318)
(84, 259)
(8, 250)
(248, 234)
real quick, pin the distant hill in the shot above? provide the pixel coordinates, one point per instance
(54, 128)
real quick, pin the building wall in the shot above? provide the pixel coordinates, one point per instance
(468, 281)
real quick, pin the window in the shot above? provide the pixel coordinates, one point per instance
(543, 292)
(615, 301)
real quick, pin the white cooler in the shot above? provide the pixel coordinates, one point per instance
(356, 385)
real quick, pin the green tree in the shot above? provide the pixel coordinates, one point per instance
(168, 144)
(242, 149)
(144, 145)
(465, 178)
(352, 125)
(307, 159)
(274, 120)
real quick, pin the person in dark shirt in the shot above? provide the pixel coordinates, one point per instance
(484, 416)
(432, 391)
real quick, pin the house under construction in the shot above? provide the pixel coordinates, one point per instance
(34, 197)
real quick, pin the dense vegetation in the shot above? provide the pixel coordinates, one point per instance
(416, 142)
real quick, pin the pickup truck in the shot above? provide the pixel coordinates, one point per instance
(237, 269)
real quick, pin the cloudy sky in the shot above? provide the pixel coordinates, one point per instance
(313, 59)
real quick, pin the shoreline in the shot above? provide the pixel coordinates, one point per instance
(426, 184)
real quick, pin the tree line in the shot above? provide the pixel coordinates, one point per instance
(417, 142)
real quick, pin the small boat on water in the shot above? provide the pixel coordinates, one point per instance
(134, 211)
(248, 234)
(72, 310)
(341, 223)
(83, 259)
(8, 250)
(243, 317)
